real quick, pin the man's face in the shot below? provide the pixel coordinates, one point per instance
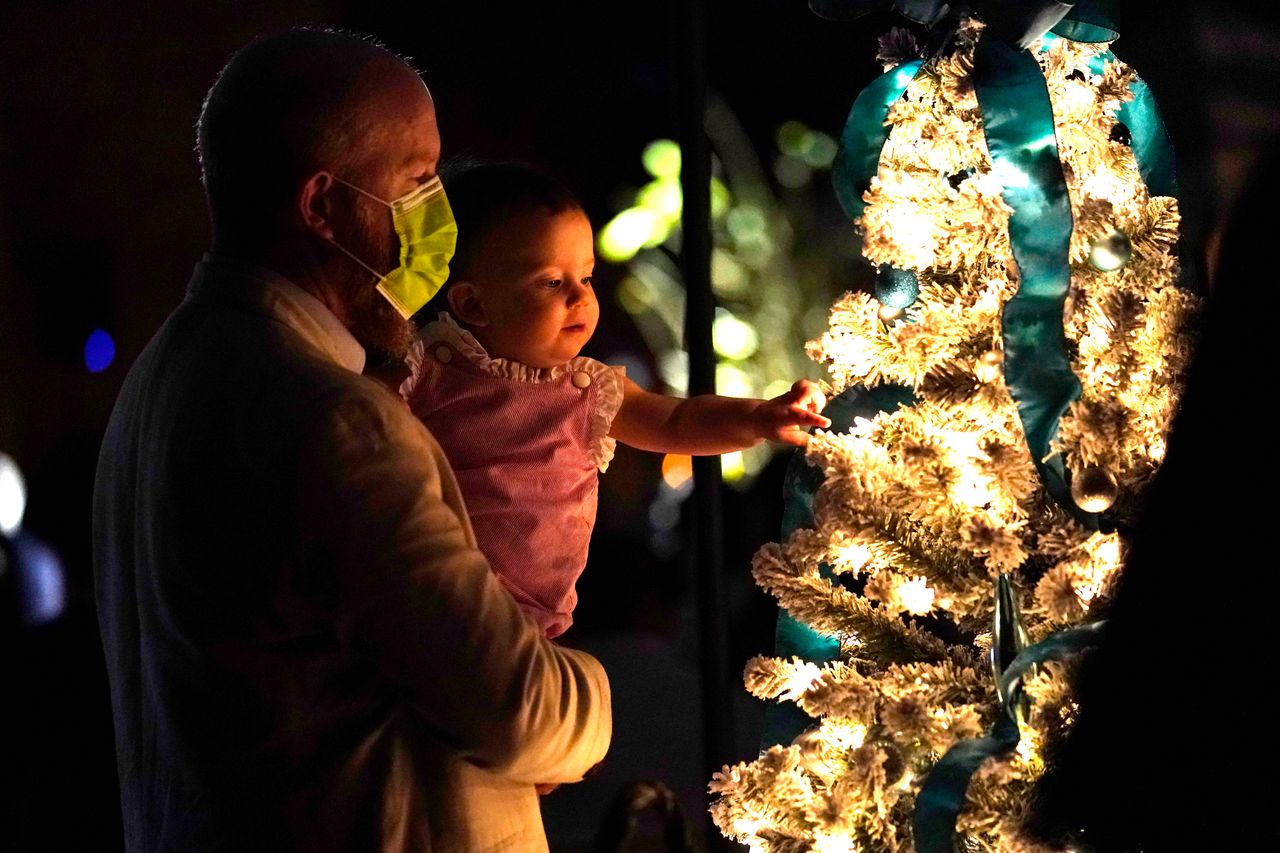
(404, 150)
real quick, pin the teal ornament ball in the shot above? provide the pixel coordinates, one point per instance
(1111, 251)
(896, 288)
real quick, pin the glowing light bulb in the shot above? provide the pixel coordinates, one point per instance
(799, 680)
(915, 596)
(888, 313)
(988, 366)
(1109, 551)
(852, 558)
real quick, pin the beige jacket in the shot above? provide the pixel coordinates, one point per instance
(305, 649)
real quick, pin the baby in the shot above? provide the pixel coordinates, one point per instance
(525, 421)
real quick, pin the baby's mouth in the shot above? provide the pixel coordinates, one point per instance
(576, 327)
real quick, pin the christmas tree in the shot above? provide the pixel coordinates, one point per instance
(1003, 401)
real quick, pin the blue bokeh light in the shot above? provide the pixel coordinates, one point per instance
(99, 351)
(41, 581)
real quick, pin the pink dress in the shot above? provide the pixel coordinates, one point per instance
(527, 445)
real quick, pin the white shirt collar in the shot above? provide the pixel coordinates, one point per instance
(342, 344)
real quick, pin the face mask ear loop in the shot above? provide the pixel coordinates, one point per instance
(377, 275)
(366, 193)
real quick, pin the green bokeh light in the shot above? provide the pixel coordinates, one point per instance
(746, 223)
(662, 196)
(661, 158)
(721, 198)
(728, 278)
(820, 151)
(632, 295)
(629, 232)
(792, 172)
(792, 138)
(813, 147)
(733, 381)
(733, 338)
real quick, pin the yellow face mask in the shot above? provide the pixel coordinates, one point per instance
(428, 236)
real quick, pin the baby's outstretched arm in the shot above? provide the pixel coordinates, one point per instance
(708, 425)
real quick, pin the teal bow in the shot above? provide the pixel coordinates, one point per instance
(1017, 22)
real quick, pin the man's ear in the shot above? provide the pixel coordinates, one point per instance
(465, 303)
(315, 204)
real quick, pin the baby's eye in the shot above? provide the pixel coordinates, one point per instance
(589, 281)
(552, 284)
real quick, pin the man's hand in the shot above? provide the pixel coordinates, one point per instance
(786, 418)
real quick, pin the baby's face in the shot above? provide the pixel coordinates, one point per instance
(534, 281)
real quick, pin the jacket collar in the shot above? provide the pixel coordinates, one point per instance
(259, 289)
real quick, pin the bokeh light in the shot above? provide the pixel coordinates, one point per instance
(99, 351)
(13, 496)
(733, 338)
(661, 158)
(733, 381)
(42, 583)
(662, 197)
(733, 466)
(629, 232)
(676, 469)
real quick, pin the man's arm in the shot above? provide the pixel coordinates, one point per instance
(415, 596)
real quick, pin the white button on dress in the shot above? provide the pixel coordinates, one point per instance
(581, 379)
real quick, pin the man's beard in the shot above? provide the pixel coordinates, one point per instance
(374, 321)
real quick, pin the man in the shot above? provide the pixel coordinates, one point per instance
(306, 651)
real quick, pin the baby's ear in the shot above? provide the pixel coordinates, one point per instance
(464, 302)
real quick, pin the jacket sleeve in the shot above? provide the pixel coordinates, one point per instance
(410, 591)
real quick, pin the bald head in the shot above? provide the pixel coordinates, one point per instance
(290, 105)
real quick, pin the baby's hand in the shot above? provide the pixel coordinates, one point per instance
(786, 418)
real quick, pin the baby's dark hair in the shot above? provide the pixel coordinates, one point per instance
(484, 197)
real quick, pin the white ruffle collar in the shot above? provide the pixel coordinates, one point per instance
(445, 330)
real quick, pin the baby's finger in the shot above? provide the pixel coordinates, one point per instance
(808, 388)
(809, 417)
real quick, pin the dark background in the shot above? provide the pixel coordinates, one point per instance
(102, 220)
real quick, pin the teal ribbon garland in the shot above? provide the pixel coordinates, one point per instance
(927, 12)
(1090, 21)
(864, 135)
(1151, 146)
(942, 796)
(1017, 120)
(1150, 140)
